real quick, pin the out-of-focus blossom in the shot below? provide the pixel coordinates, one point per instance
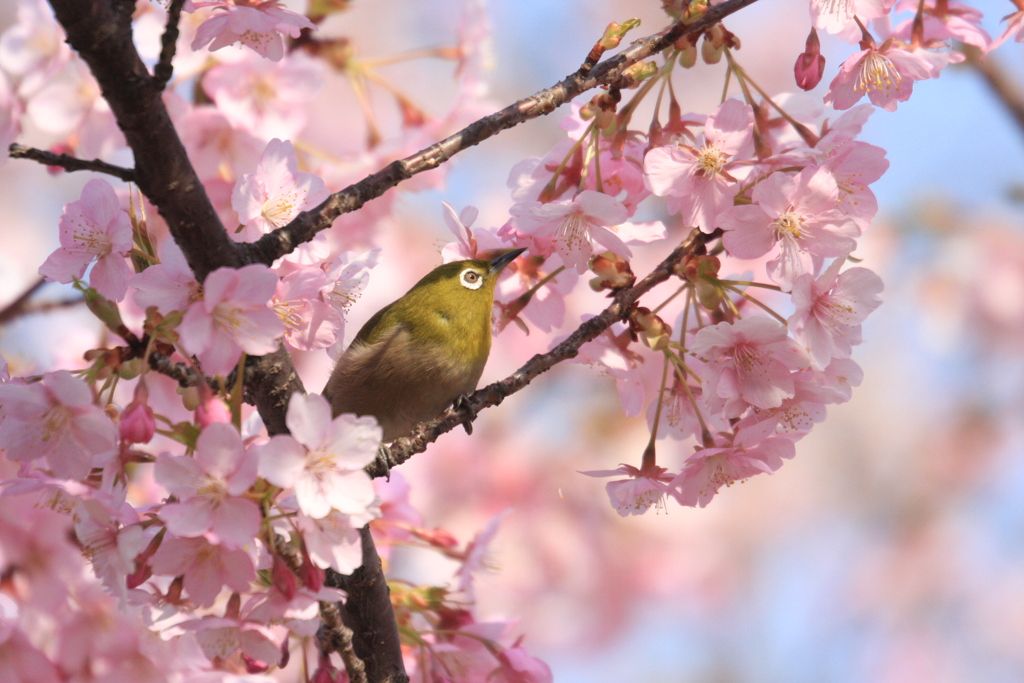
(168, 285)
(257, 24)
(56, 419)
(112, 541)
(276, 193)
(834, 16)
(94, 228)
(698, 179)
(347, 276)
(798, 215)
(210, 487)
(265, 98)
(885, 74)
(322, 458)
(34, 48)
(519, 666)
(206, 567)
(216, 148)
(943, 20)
(333, 541)
(232, 317)
(830, 310)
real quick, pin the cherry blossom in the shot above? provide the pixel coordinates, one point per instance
(56, 419)
(830, 310)
(232, 317)
(216, 148)
(211, 488)
(835, 16)
(642, 488)
(168, 285)
(709, 469)
(347, 277)
(309, 322)
(267, 99)
(138, 424)
(794, 417)
(207, 567)
(94, 228)
(34, 48)
(571, 227)
(943, 20)
(798, 215)
(276, 193)
(257, 24)
(333, 541)
(885, 74)
(322, 459)
(839, 379)
(112, 540)
(750, 362)
(697, 178)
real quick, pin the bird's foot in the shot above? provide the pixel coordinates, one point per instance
(462, 403)
(385, 460)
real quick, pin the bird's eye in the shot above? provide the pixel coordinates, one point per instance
(471, 279)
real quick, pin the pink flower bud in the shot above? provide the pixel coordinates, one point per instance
(211, 409)
(810, 65)
(137, 423)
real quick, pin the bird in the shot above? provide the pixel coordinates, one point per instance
(423, 352)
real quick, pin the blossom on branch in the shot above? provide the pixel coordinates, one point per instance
(885, 74)
(709, 469)
(257, 24)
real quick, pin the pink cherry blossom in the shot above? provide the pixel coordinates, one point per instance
(34, 48)
(835, 16)
(211, 488)
(137, 423)
(56, 419)
(855, 165)
(216, 148)
(945, 20)
(206, 567)
(276, 193)
(322, 459)
(333, 541)
(750, 362)
(475, 556)
(698, 179)
(839, 379)
(519, 666)
(223, 636)
(1014, 29)
(709, 469)
(798, 215)
(265, 98)
(571, 227)
(232, 317)
(309, 321)
(610, 352)
(112, 541)
(885, 74)
(795, 417)
(257, 24)
(94, 228)
(639, 491)
(168, 285)
(830, 310)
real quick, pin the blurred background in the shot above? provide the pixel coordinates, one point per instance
(889, 550)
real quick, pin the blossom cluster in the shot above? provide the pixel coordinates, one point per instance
(217, 536)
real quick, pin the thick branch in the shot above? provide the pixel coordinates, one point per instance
(304, 227)
(493, 394)
(1005, 88)
(70, 163)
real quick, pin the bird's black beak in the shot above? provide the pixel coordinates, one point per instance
(508, 257)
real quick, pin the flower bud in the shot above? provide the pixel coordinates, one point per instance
(613, 272)
(651, 329)
(137, 423)
(688, 56)
(211, 408)
(810, 64)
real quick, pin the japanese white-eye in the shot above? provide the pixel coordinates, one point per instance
(419, 354)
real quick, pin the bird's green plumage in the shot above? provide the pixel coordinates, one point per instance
(418, 354)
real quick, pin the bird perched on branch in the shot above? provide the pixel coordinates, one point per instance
(419, 354)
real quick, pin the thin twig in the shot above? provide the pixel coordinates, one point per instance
(70, 163)
(305, 226)
(15, 308)
(164, 69)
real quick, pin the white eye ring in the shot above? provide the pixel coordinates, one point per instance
(471, 278)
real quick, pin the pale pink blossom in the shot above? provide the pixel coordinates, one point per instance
(333, 541)
(709, 469)
(795, 214)
(34, 48)
(347, 276)
(23, 662)
(216, 148)
(519, 666)
(323, 458)
(641, 489)
(56, 419)
(546, 306)
(232, 317)
(830, 310)
(470, 242)
(111, 540)
(855, 165)
(1014, 29)
(571, 227)
(265, 98)
(610, 352)
(257, 24)
(750, 362)
(276, 193)
(885, 74)
(698, 179)
(309, 321)
(168, 285)
(474, 558)
(835, 16)
(839, 379)
(223, 636)
(795, 417)
(206, 567)
(942, 21)
(94, 228)
(211, 487)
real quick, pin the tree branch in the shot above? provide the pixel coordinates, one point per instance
(70, 163)
(306, 225)
(1006, 90)
(622, 305)
(164, 69)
